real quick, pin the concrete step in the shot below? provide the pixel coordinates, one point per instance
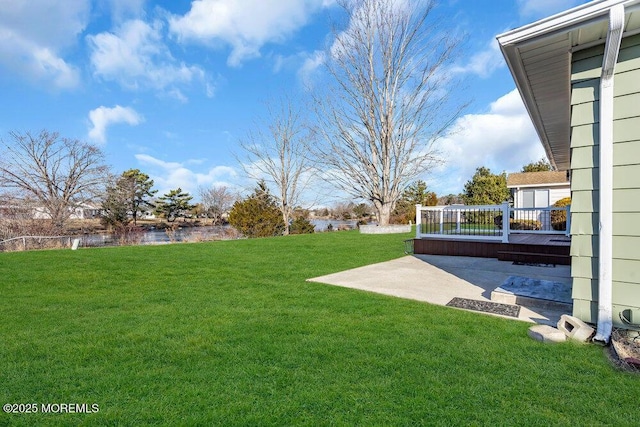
(546, 334)
(534, 257)
(534, 293)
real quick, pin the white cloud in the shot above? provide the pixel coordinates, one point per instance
(46, 22)
(244, 26)
(171, 175)
(33, 34)
(537, 9)
(37, 63)
(484, 62)
(310, 67)
(136, 57)
(305, 64)
(102, 117)
(126, 9)
(503, 139)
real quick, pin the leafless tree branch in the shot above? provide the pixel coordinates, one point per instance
(390, 101)
(216, 201)
(58, 173)
(279, 155)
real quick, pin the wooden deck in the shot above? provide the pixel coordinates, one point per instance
(527, 248)
(540, 239)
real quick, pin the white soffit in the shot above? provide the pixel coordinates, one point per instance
(539, 57)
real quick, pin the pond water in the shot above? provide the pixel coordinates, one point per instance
(322, 224)
(154, 237)
(194, 234)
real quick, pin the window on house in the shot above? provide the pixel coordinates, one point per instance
(528, 197)
(535, 198)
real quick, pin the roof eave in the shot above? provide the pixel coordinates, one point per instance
(548, 184)
(520, 77)
(513, 41)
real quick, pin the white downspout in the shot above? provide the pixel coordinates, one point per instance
(605, 265)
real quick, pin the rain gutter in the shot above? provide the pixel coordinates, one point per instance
(605, 255)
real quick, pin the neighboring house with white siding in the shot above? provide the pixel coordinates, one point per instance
(83, 211)
(535, 192)
(538, 189)
(578, 73)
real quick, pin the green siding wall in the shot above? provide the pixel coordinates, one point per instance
(585, 80)
(624, 223)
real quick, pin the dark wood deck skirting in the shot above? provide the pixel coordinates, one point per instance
(547, 249)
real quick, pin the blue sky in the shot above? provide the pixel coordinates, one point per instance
(171, 86)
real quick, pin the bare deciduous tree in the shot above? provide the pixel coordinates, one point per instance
(389, 102)
(279, 156)
(216, 201)
(57, 173)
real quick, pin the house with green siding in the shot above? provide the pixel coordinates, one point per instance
(578, 73)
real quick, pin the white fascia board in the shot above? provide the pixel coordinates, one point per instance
(583, 14)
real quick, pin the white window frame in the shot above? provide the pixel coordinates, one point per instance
(536, 194)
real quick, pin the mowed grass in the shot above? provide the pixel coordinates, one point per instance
(230, 333)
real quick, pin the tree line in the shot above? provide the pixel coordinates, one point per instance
(56, 174)
(386, 102)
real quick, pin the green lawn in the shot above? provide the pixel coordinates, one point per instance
(229, 333)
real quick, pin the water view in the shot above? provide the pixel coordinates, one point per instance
(198, 234)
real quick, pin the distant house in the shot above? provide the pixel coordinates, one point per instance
(8, 207)
(86, 211)
(148, 214)
(83, 211)
(578, 73)
(30, 209)
(538, 189)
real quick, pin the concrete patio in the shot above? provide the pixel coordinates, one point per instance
(438, 279)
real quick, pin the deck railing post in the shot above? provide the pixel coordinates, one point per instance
(418, 221)
(441, 221)
(568, 216)
(506, 224)
(458, 221)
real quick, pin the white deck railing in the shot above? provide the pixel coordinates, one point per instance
(486, 222)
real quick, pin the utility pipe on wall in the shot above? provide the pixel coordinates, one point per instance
(605, 223)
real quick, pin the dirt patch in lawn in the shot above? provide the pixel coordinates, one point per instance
(624, 351)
